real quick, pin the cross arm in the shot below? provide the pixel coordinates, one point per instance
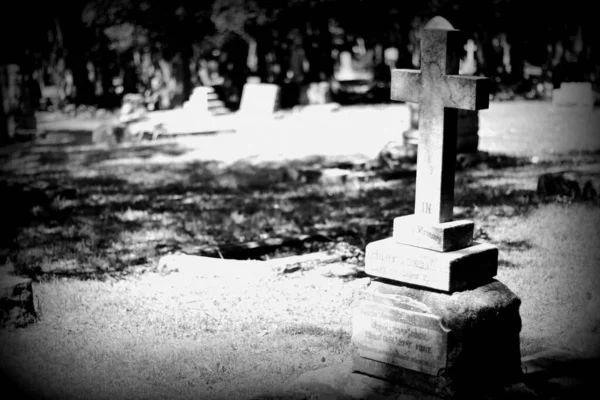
(468, 92)
(406, 85)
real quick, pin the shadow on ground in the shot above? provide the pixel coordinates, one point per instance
(73, 214)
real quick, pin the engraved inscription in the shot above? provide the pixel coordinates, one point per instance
(418, 268)
(421, 230)
(405, 338)
(426, 207)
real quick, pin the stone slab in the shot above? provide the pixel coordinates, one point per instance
(450, 271)
(410, 339)
(446, 236)
(477, 330)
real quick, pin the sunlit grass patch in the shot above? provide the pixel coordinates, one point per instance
(180, 337)
(556, 274)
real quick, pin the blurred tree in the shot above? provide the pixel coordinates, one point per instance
(167, 30)
(95, 41)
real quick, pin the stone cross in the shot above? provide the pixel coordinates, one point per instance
(468, 65)
(440, 91)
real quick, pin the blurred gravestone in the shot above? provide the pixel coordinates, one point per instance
(390, 56)
(319, 93)
(578, 95)
(259, 99)
(468, 65)
(345, 71)
(198, 102)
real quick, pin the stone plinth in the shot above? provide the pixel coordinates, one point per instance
(449, 271)
(445, 236)
(440, 343)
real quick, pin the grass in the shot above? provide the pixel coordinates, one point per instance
(114, 326)
(190, 335)
(554, 269)
(179, 336)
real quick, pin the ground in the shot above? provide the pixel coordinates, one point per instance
(125, 325)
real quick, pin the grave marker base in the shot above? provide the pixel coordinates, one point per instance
(449, 271)
(446, 344)
(446, 236)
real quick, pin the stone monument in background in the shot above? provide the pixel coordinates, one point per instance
(259, 99)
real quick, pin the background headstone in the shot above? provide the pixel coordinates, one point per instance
(577, 95)
(468, 65)
(259, 99)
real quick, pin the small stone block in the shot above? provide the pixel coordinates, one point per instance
(445, 236)
(450, 271)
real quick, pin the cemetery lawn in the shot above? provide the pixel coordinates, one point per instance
(116, 324)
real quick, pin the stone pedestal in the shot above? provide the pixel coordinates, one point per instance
(450, 345)
(434, 319)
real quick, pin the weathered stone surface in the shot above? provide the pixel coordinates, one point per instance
(446, 236)
(449, 271)
(478, 330)
(338, 382)
(467, 138)
(17, 306)
(407, 338)
(440, 91)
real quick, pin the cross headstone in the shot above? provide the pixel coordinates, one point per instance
(440, 91)
(428, 324)
(438, 326)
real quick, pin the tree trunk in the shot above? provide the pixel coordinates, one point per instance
(85, 88)
(186, 74)
(4, 136)
(517, 57)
